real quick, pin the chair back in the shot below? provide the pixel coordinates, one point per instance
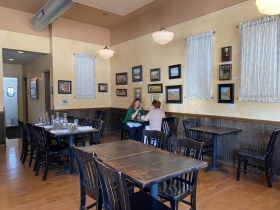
(41, 138)
(114, 188)
(87, 172)
(167, 125)
(98, 124)
(22, 130)
(154, 138)
(70, 119)
(271, 144)
(99, 114)
(83, 121)
(121, 116)
(31, 133)
(191, 123)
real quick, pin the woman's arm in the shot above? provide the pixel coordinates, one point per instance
(134, 114)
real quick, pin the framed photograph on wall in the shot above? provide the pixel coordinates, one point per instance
(155, 88)
(225, 72)
(174, 94)
(138, 93)
(121, 92)
(33, 89)
(102, 87)
(175, 71)
(155, 97)
(226, 54)
(155, 74)
(137, 74)
(121, 78)
(226, 93)
(64, 87)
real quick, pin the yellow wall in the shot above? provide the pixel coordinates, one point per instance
(64, 69)
(144, 51)
(15, 71)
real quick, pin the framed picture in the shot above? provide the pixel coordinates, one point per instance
(121, 78)
(121, 92)
(64, 102)
(175, 71)
(136, 73)
(155, 88)
(226, 54)
(138, 93)
(226, 93)
(33, 89)
(155, 74)
(174, 94)
(64, 87)
(225, 72)
(102, 87)
(155, 97)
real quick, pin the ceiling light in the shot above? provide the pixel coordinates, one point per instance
(11, 59)
(20, 52)
(163, 36)
(106, 52)
(268, 7)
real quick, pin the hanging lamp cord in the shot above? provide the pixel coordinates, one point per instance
(105, 29)
(162, 23)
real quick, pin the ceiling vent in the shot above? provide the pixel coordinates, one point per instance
(49, 13)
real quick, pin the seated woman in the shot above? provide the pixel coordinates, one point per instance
(155, 116)
(132, 112)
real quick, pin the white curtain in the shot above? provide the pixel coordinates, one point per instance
(199, 66)
(259, 60)
(85, 76)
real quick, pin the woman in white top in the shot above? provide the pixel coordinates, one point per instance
(155, 116)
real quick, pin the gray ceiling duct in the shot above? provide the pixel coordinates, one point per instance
(49, 13)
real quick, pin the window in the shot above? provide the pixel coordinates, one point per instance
(259, 60)
(10, 91)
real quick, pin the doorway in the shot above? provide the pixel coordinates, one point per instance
(47, 92)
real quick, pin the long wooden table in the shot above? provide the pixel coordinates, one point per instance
(144, 165)
(216, 131)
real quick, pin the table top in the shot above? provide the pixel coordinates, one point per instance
(143, 164)
(215, 130)
(139, 121)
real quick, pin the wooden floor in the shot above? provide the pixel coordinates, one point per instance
(20, 189)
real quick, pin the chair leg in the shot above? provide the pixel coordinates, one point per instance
(25, 153)
(193, 200)
(267, 174)
(271, 171)
(83, 195)
(22, 151)
(35, 165)
(121, 134)
(245, 166)
(238, 168)
(31, 157)
(38, 165)
(46, 169)
(174, 204)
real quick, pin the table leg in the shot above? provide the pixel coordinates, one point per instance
(154, 190)
(214, 158)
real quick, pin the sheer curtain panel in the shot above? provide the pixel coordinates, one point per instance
(199, 66)
(259, 60)
(84, 76)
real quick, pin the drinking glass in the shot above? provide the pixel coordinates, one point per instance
(41, 120)
(70, 127)
(76, 122)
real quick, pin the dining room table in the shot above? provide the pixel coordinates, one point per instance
(215, 131)
(143, 164)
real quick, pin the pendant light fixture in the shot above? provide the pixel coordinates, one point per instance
(163, 36)
(268, 7)
(106, 52)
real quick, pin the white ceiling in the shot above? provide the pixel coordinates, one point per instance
(121, 7)
(19, 58)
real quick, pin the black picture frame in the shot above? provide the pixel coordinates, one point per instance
(154, 88)
(64, 87)
(155, 74)
(174, 94)
(121, 90)
(137, 73)
(121, 78)
(226, 93)
(225, 72)
(226, 53)
(174, 71)
(101, 87)
(33, 89)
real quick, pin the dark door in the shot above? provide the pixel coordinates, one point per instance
(47, 93)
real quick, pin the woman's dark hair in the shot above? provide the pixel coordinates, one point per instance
(156, 104)
(133, 103)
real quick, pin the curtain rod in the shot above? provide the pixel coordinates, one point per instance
(213, 33)
(84, 54)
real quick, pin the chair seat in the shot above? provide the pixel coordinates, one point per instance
(174, 188)
(141, 201)
(251, 154)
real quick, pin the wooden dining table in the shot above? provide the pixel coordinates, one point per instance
(216, 131)
(143, 164)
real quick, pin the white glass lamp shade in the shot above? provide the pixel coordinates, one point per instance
(268, 7)
(106, 53)
(163, 36)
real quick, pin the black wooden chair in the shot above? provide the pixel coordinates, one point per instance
(95, 137)
(83, 121)
(88, 179)
(265, 159)
(124, 132)
(48, 154)
(192, 123)
(167, 125)
(71, 119)
(115, 192)
(176, 189)
(154, 138)
(99, 116)
(32, 139)
(25, 143)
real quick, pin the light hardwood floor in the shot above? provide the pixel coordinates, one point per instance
(20, 189)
